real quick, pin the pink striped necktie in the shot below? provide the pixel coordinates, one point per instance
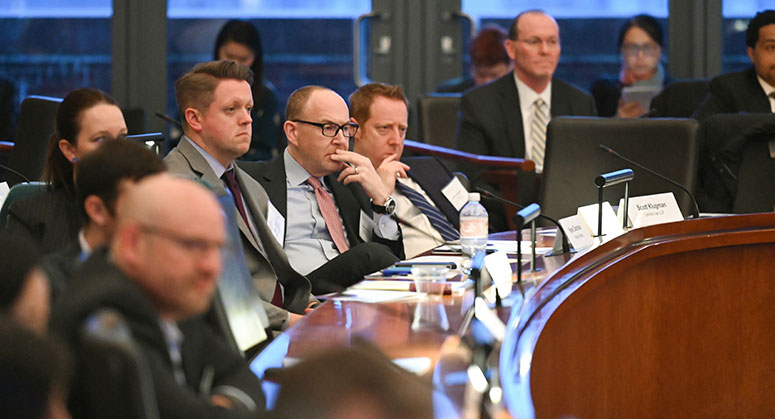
(330, 214)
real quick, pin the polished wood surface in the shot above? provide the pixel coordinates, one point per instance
(6, 146)
(673, 320)
(513, 177)
(413, 329)
(486, 161)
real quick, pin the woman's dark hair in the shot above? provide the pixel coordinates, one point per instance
(646, 22)
(244, 33)
(59, 171)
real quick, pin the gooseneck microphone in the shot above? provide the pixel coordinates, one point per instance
(695, 208)
(169, 119)
(16, 172)
(560, 231)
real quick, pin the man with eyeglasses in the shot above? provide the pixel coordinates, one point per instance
(334, 211)
(508, 117)
(160, 274)
(753, 89)
(215, 104)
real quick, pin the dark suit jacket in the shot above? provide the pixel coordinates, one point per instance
(51, 219)
(102, 285)
(350, 199)
(734, 93)
(186, 160)
(490, 121)
(432, 175)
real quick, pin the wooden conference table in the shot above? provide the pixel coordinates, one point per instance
(669, 320)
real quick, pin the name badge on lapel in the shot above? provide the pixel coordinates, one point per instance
(276, 223)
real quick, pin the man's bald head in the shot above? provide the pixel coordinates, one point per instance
(168, 240)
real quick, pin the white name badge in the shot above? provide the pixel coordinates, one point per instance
(649, 210)
(611, 225)
(276, 223)
(578, 235)
(456, 193)
(366, 227)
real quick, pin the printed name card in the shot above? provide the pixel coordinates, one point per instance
(578, 234)
(612, 227)
(652, 209)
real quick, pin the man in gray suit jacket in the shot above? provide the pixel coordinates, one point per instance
(214, 101)
(497, 119)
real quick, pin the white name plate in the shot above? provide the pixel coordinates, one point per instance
(578, 234)
(611, 225)
(649, 210)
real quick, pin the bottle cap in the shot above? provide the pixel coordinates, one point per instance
(473, 196)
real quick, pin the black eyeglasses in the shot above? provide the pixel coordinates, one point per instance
(190, 245)
(330, 129)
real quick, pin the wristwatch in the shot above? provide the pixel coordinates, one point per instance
(388, 208)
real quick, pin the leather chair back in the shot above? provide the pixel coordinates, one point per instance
(574, 158)
(37, 119)
(438, 118)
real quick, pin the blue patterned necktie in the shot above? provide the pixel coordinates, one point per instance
(437, 219)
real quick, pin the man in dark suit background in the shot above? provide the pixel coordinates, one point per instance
(750, 90)
(215, 101)
(160, 274)
(334, 209)
(428, 197)
(504, 118)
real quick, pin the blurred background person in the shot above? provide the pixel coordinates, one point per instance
(240, 41)
(24, 289)
(85, 118)
(350, 383)
(640, 43)
(34, 372)
(103, 179)
(489, 61)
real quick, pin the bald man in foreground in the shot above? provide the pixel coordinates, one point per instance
(160, 273)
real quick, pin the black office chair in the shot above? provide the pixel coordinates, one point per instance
(19, 191)
(574, 158)
(679, 99)
(754, 181)
(721, 140)
(37, 119)
(116, 377)
(438, 118)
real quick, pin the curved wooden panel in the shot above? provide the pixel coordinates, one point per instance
(672, 320)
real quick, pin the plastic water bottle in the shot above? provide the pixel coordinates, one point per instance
(473, 226)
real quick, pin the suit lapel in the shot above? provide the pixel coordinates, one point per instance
(512, 114)
(200, 166)
(560, 103)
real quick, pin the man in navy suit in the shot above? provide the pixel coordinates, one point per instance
(750, 90)
(334, 213)
(428, 197)
(508, 117)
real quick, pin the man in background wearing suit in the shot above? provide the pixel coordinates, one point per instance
(332, 204)
(751, 90)
(508, 117)
(214, 100)
(428, 197)
(160, 274)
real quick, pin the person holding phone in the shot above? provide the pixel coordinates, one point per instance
(640, 44)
